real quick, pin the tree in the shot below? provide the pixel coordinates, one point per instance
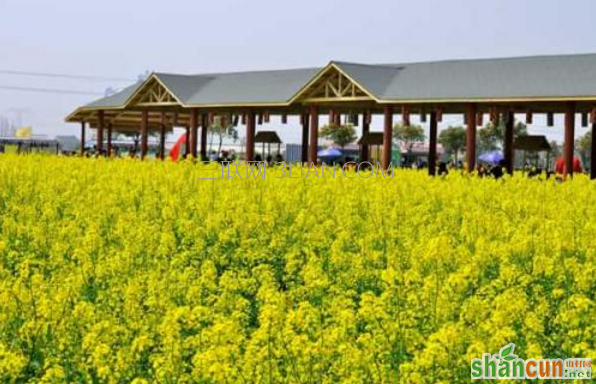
(408, 135)
(583, 146)
(491, 136)
(453, 140)
(222, 128)
(340, 135)
(556, 149)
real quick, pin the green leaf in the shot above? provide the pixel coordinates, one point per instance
(509, 358)
(507, 351)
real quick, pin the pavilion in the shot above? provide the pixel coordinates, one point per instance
(498, 88)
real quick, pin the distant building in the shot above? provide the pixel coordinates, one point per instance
(68, 143)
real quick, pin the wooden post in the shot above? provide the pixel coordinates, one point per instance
(508, 145)
(432, 149)
(387, 136)
(187, 142)
(494, 116)
(82, 138)
(100, 128)
(364, 153)
(250, 135)
(144, 133)
(550, 119)
(204, 128)
(479, 119)
(162, 136)
(593, 153)
(194, 123)
(109, 140)
(305, 125)
(313, 135)
(569, 138)
(405, 116)
(471, 138)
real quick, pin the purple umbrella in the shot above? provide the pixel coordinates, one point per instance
(493, 157)
(329, 152)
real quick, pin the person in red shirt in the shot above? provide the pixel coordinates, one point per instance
(560, 165)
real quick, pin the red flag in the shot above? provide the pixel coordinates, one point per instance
(177, 148)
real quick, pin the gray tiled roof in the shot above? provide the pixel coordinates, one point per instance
(524, 77)
(116, 100)
(538, 76)
(249, 87)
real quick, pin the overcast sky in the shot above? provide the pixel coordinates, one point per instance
(121, 39)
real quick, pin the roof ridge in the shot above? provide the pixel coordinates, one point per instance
(544, 56)
(238, 72)
(364, 64)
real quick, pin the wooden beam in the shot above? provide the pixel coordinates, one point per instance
(204, 128)
(387, 136)
(364, 155)
(109, 141)
(305, 127)
(82, 138)
(194, 123)
(250, 134)
(162, 136)
(550, 119)
(432, 150)
(494, 116)
(471, 138)
(100, 128)
(439, 112)
(569, 143)
(187, 142)
(479, 119)
(593, 152)
(144, 133)
(508, 144)
(405, 116)
(313, 135)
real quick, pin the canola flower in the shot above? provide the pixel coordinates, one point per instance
(121, 271)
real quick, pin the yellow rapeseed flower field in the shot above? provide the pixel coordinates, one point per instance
(121, 271)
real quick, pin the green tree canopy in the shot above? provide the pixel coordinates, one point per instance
(221, 128)
(341, 135)
(583, 146)
(453, 140)
(408, 134)
(491, 136)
